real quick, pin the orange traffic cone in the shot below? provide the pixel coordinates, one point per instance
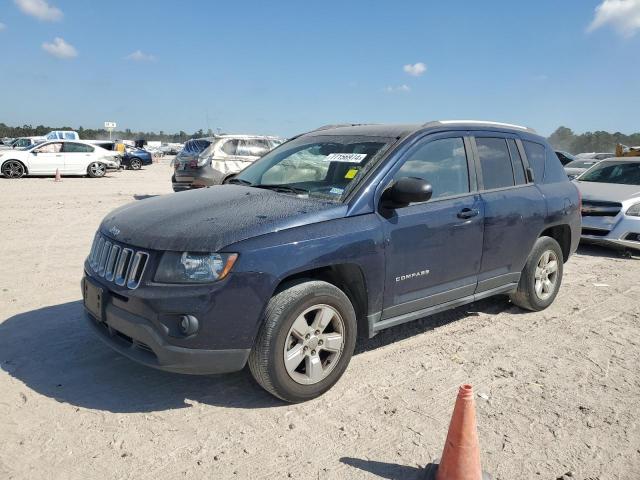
(58, 177)
(461, 453)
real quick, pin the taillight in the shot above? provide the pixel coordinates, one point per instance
(193, 164)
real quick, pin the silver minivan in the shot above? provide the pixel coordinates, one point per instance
(204, 162)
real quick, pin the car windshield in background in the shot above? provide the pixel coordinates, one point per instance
(581, 164)
(322, 166)
(623, 172)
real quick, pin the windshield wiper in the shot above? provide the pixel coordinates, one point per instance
(239, 181)
(283, 188)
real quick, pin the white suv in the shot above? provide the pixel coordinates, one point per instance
(68, 157)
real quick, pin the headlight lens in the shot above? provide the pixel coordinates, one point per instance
(187, 267)
(634, 210)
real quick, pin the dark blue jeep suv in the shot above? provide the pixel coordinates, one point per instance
(339, 232)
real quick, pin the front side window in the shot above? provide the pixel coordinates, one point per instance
(54, 147)
(607, 171)
(495, 163)
(319, 166)
(442, 163)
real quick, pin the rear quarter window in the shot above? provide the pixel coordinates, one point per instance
(553, 170)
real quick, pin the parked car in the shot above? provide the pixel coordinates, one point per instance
(68, 157)
(22, 142)
(577, 167)
(594, 156)
(340, 232)
(134, 158)
(611, 202)
(62, 135)
(564, 157)
(211, 161)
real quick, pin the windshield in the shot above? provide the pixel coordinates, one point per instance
(624, 172)
(319, 166)
(581, 164)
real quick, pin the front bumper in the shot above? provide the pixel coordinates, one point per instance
(621, 230)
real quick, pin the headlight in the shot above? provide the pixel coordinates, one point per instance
(187, 267)
(634, 210)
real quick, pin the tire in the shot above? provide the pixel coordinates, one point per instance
(541, 277)
(13, 169)
(291, 329)
(135, 164)
(96, 170)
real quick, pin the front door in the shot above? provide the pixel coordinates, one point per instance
(46, 158)
(433, 249)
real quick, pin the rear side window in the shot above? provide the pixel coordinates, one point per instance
(252, 148)
(442, 163)
(495, 162)
(516, 162)
(76, 148)
(536, 156)
(554, 171)
(230, 147)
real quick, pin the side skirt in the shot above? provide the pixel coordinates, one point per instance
(376, 324)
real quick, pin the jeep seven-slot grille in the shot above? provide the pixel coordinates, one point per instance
(120, 265)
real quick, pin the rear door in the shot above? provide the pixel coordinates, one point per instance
(514, 208)
(45, 159)
(77, 157)
(433, 249)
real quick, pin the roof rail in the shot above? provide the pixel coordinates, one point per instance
(479, 122)
(337, 125)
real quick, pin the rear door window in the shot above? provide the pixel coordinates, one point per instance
(70, 147)
(252, 148)
(230, 147)
(495, 163)
(536, 156)
(516, 162)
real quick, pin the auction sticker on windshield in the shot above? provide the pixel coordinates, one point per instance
(346, 157)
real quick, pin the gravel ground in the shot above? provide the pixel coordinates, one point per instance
(557, 390)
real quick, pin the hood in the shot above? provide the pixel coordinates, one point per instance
(209, 219)
(611, 192)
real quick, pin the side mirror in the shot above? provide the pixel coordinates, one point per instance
(405, 191)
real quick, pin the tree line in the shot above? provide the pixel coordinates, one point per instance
(101, 133)
(565, 139)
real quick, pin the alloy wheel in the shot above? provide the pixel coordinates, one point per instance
(97, 169)
(13, 169)
(546, 275)
(314, 344)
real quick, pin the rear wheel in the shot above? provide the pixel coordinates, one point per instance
(541, 277)
(96, 170)
(13, 169)
(306, 341)
(135, 164)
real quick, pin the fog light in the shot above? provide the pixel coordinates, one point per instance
(188, 324)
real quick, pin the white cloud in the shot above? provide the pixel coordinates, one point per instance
(416, 69)
(139, 56)
(2, 26)
(39, 9)
(59, 48)
(399, 89)
(622, 15)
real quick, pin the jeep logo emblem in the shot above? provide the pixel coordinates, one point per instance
(115, 231)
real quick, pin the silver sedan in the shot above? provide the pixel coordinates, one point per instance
(611, 202)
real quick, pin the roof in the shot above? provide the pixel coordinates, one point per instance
(401, 130)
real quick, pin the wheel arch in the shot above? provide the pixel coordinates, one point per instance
(348, 277)
(26, 168)
(561, 234)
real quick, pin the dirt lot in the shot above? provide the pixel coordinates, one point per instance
(558, 390)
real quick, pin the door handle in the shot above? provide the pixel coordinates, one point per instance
(58, 155)
(468, 213)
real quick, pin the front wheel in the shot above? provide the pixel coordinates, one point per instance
(135, 164)
(96, 170)
(306, 341)
(541, 277)
(13, 169)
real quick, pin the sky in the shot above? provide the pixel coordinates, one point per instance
(284, 67)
